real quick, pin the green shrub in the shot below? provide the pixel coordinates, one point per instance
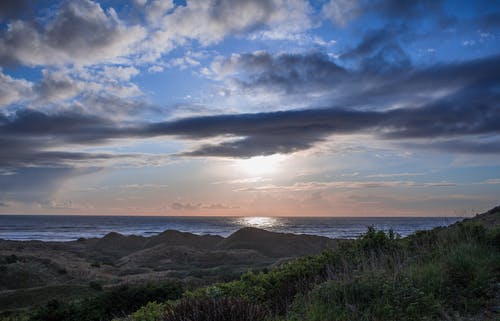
(367, 298)
(95, 285)
(494, 237)
(117, 302)
(223, 309)
(153, 311)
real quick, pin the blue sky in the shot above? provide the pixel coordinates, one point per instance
(265, 107)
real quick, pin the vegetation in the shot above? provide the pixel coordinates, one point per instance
(444, 274)
(220, 309)
(448, 273)
(117, 302)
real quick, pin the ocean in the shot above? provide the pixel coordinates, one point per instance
(71, 227)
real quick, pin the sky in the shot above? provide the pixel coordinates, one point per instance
(254, 108)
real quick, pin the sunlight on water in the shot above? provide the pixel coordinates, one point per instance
(260, 222)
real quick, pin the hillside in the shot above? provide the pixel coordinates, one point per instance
(29, 267)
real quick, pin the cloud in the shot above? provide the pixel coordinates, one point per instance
(248, 180)
(461, 145)
(316, 186)
(79, 32)
(462, 120)
(289, 73)
(456, 117)
(209, 22)
(56, 86)
(13, 90)
(199, 206)
(394, 175)
(13, 9)
(120, 73)
(316, 79)
(341, 12)
(492, 181)
(103, 91)
(405, 10)
(185, 207)
(380, 51)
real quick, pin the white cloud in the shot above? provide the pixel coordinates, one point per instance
(120, 73)
(57, 85)
(492, 181)
(13, 90)
(79, 32)
(341, 12)
(208, 22)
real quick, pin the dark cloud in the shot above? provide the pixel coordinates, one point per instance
(33, 138)
(370, 43)
(379, 84)
(268, 133)
(404, 9)
(488, 21)
(380, 51)
(13, 9)
(81, 25)
(287, 72)
(58, 126)
(264, 133)
(463, 145)
(342, 11)
(468, 107)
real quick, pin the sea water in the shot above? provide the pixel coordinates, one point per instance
(72, 227)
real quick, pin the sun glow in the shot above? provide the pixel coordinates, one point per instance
(259, 165)
(259, 222)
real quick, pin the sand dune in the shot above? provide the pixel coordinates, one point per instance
(116, 258)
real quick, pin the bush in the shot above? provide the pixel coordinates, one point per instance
(117, 302)
(223, 309)
(368, 298)
(494, 237)
(153, 311)
(95, 285)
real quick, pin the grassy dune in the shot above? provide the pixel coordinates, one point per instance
(450, 273)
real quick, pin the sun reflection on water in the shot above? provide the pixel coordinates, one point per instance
(259, 222)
